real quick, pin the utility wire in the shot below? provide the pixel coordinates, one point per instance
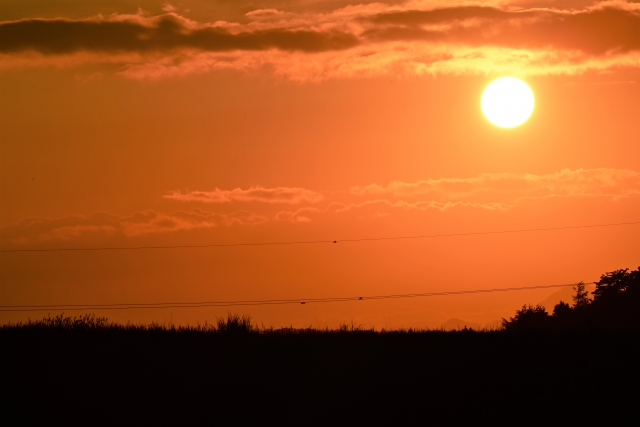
(81, 307)
(311, 242)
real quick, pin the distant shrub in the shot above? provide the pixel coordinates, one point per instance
(236, 324)
(561, 309)
(527, 318)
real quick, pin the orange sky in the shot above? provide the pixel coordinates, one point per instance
(152, 123)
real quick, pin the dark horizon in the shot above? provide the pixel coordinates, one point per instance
(74, 369)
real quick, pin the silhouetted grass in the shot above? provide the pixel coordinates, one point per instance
(575, 365)
(86, 370)
(233, 324)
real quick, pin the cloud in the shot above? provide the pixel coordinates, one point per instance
(421, 205)
(391, 60)
(388, 59)
(167, 7)
(285, 195)
(154, 222)
(490, 192)
(595, 31)
(355, 40)
(299, 216)
(164, 33)
(507, 187)
(102, 224)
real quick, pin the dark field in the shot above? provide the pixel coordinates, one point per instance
(94, 373)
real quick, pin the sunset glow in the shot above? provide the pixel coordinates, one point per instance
(211, 141)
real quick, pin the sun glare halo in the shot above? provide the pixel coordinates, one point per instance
(507, 102)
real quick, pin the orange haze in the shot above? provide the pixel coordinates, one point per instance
(199, 122)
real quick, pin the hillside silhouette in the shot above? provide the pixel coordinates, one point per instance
(538, 367)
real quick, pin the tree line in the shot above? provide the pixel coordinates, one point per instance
(613, 305)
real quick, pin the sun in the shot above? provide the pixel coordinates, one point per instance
(507, 102)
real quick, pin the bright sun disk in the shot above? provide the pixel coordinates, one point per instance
(507, 102)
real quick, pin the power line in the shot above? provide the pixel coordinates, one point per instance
(199, 304)
(311, 242)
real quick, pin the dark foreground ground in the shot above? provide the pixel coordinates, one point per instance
(108, 376)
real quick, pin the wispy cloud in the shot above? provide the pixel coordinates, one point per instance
(421, 205)
(490, 192)
(301, 215)
(285, 195)
(503, 187)
(352, 41)
(103, 224)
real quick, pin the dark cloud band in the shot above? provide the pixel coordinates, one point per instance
(594, 31)
(61, 36)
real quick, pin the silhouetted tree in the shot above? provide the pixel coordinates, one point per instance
(562, 310)
(563, 316)
(581, 297)
(616, 300)
(614, 283)
(526, 319)
(615, 306)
